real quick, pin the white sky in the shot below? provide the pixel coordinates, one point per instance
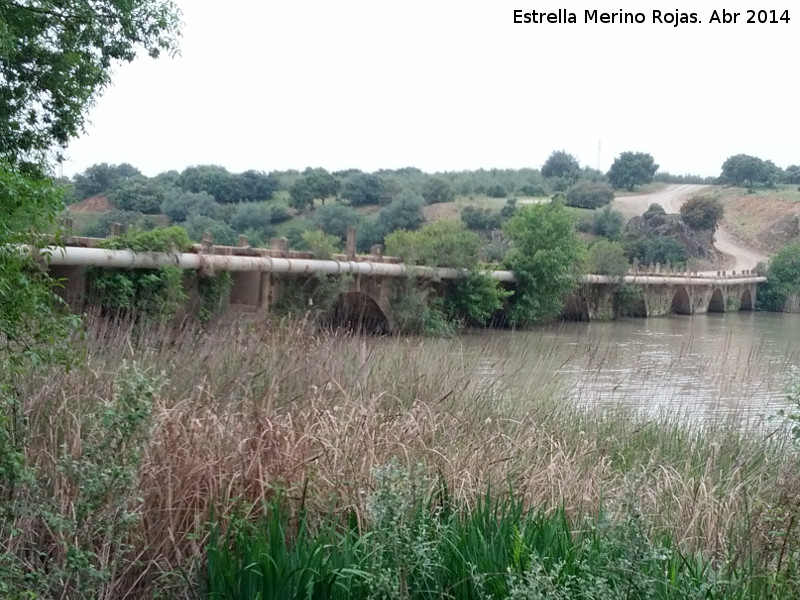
(449, 85)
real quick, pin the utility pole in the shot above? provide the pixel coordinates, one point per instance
(599, 147)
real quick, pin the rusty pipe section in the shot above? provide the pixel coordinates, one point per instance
(673, 279)
(126, 259)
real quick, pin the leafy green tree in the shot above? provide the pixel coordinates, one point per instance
(607, 258)
(404, 212)
(589, 194)
(608, 223)
(631, 169)
(474, 299)
(546, 256)
(138, 193)
(742, 169)
(334, 219)
(654, 210)
(254, 216)
(702, 212)
(128, 219)
(56, 57)
(480, 219)
(791, 174)
(215, 180)
(361, 189)
(783, 279)
(313, 184)
(439, 244)
(497, 191)
(257, 186)
(221, 232)
(102, 179)
(561, 164)
(436, 190)
(179, 204)
(322, 245)
(650, 250)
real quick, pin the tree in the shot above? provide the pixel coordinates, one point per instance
(545, 256)
(257, 186)
(436, 189)
(589, 194)
(361, 189)
(404, 212)
(608, 223)
(742, 169)
(607, 258)
(179, 204)
(138, 193)
(56, 57)
(783, 279)
(334, 219)
(439, 244)
(631, 169)
(791, 174)
(313, 184)
(480, 219)
(702, 212)
(225, 186)
(102, 179)
(561, 164)
(253, 216)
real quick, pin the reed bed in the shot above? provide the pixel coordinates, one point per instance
(219, 423)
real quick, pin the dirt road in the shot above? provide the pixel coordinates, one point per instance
(671, 198)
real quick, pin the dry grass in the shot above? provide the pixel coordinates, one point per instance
(250, 408)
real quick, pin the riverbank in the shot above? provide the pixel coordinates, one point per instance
(132, 458)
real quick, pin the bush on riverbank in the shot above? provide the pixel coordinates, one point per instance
(128, 466)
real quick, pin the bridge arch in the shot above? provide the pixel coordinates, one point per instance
(717, 302)
(358, 311)
(747, 301)
(681, 303)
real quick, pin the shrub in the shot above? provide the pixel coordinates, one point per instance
(783, 278)
(608, 223)
(480, 219)
(702, 212)
(607, 258)
(179, 204)
(589, 194)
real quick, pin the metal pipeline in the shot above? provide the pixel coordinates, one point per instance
(126, 259)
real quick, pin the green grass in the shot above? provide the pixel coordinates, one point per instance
(419, 547)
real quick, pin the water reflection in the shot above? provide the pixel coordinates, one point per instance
(707, 366)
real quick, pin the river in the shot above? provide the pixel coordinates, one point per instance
(707, 367)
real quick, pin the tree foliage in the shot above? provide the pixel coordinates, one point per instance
(102, 179)
(334, 219)
(313, 184)
(589, 194)
(55, 58)
(631, 169)
(742, 169)
(481, 219)
(138, 193)
(362, 189)
(702, 212)
(436, 190)
(179, 204)
(607, 258)
(783, 279)
(608, 223)
(439, 244)
(561, 164)
(545, 256)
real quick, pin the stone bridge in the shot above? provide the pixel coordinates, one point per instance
(262, 275)
(662, 294)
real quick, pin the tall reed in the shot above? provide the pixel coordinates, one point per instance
(250, 409)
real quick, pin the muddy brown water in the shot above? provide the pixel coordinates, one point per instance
(708, 367)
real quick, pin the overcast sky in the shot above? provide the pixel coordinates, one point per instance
(448, 85)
